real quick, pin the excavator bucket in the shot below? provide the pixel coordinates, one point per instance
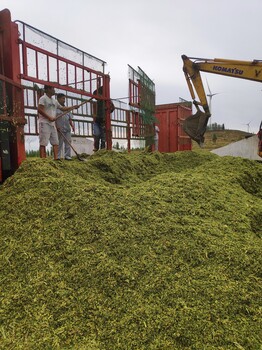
(195, 126)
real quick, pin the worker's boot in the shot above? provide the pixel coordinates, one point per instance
(55, 150)
(96, 143)
(42, 152)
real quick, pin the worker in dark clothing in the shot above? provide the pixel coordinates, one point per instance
(259, 152)
(99, 126)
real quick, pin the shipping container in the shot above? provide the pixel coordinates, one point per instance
(170, 118)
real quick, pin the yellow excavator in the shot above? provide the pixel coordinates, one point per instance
(196, 124)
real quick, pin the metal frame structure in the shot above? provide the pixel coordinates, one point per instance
(79, 75)
(29, 59)
(47, 60)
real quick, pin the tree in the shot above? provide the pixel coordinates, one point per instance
(214, 138)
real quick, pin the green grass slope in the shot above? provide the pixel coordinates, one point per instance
(132, 251)
(222, 138)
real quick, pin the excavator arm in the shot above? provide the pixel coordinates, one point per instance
(196, 124)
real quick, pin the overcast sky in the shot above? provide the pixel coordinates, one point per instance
(153, 34)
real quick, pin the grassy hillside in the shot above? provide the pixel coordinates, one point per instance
(223, 138)
(132, 252)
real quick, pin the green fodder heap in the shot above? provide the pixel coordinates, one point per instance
(132, 251)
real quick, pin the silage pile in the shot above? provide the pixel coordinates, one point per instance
(132, 251)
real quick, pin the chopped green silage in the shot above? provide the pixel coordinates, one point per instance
(132, 252)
